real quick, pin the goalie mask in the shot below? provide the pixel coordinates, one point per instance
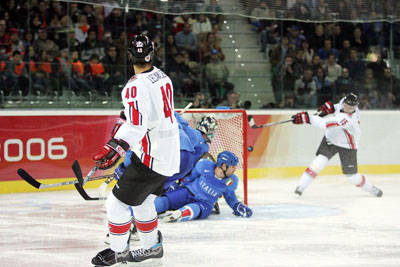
(228, 158)
(141, 50)
(207, 125)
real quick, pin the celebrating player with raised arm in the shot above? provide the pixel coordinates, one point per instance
(202, 188)
(342, 132)
(151, 132)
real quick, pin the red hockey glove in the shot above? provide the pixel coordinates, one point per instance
(326, 108)
(111, 153)
(301, 117)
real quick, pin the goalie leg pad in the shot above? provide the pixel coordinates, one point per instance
(146, 222)
(119, 223)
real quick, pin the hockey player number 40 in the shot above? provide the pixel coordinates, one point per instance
(167, 99)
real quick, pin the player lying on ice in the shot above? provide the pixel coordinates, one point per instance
(342, 131)
(201, 189)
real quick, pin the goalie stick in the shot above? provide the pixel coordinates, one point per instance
(35, 183)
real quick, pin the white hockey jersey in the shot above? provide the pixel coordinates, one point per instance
(342, 129)
(151, 129)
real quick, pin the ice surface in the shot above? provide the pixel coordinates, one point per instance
(333, 224)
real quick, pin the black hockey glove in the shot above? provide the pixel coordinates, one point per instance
(301, 117)
(326, 108)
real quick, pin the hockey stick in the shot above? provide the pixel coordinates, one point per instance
(76, 168)
(85, 196)
(271, 124)
(78, 173)
(35, 183)
(186, 108)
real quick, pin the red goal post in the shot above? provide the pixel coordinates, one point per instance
(231, 134)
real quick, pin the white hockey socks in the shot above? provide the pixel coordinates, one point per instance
(119, 223)
(147, 222)
(317, 165)
(361, 182)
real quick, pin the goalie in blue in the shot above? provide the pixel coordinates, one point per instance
(201, 189)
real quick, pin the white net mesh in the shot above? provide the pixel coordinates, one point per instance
(228, 136)
(229, 133)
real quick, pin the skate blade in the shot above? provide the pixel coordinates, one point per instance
(147, 263)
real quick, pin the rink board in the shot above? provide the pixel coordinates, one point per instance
(45, 143)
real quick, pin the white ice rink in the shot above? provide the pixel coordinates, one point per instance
(332, 224)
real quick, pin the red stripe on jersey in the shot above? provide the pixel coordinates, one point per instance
(312, 173)
(350, 138)
(332, 124)
(362, 181)
(146, 149)
(135, 115)
(119, 229)
(148, 226)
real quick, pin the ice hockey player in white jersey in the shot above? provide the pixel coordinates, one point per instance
(342, 133)
(151, 132)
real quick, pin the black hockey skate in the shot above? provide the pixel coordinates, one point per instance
(155, 252)
(376, 191)
(298, 191)
(216, 209)
(108, 257)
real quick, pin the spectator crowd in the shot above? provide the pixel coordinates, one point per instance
(52, 48)
(48, 48)
(314, 62)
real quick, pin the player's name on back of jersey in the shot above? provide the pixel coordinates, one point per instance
(158, 75)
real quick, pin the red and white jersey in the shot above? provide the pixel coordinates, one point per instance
(342, 129)
(151, 129)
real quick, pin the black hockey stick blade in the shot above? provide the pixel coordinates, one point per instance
(83, 193)
(32, 181)
(76, 168)
(24, 175)
(79, 187)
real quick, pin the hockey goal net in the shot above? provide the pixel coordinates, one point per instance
(231, 134)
